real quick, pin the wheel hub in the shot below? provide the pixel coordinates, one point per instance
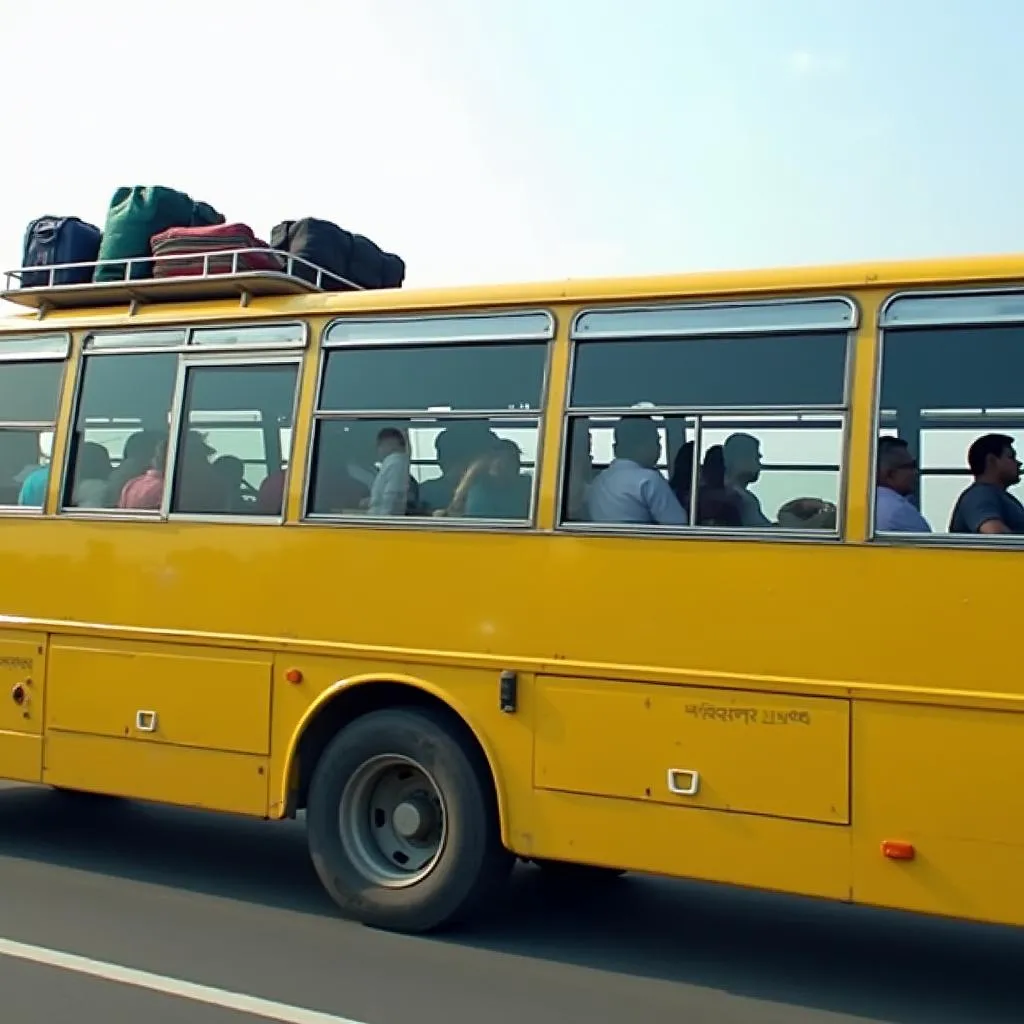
(414, 818)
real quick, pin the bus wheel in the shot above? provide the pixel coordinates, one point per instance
(560, 872)
(402, 823)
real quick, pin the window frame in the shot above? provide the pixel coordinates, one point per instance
(725, 330)
(181, 344)
(536, 418)
(936, 539)
(37, 350)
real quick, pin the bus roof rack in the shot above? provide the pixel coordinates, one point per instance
(211, 275)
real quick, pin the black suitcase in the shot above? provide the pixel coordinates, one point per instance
(352, 259)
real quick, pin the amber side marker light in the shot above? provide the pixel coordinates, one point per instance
(293, 675)
(894, 849)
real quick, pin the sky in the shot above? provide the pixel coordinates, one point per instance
(510, 140)
(519, 139)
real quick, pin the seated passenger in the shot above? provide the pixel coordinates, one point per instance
(92, 476)
(146, 491)
(986, 506)
(717, 505)
(580, 473)
(499, 489)
(389, 492)
(199, 488)
(742, 457)
(270, 496)
(631, 490)
(33, 486)
(231, 471)
(895, 481)
(139, 452)
(681, 479)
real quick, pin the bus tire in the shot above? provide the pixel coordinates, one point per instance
(402, 823)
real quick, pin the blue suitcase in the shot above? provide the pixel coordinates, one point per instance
(54, 240)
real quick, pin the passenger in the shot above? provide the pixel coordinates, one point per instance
(453, 458)
(33, 486)
(389, 493)
(199, 488)
(146, 491)
(741, 456)
(92, 476)
(717, 505)
(581, 471)
(681, 479)
(896, 480)
(631, 490)
(986, 506)
(139, 452)
(231, 471)
(270, 496)
(501, 490)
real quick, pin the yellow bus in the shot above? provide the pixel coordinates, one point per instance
(271, 550)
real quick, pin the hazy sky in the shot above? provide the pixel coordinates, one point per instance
(521, 139)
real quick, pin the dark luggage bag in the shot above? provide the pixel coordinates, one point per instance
(50, 241)
(351, 259)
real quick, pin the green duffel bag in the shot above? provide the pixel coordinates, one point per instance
(135, 216)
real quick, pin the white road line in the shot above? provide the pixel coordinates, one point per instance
(265, 1008)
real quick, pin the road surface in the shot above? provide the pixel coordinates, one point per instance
(148, 901)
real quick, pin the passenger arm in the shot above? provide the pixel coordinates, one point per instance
(981, 512)
(661, 501)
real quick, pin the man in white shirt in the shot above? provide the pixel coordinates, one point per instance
(631, 490)
(389, 492)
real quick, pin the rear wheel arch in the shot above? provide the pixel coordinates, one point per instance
(350, 699)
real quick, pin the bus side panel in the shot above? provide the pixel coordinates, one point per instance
(186, 776)
(951, 782)
(806, 858)
(22, 687)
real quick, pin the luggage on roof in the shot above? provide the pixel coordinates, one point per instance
(50, 241)
(137, 214)
(354, 259)
(190, 249)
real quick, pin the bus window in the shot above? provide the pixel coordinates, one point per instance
(120, 435)
(445, 431)
(749, 404)
(31, 375)
(221, 464)
(951, 372)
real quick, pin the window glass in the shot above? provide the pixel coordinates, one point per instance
(29, 397)
(942, 388)
(742, 430)
(466, 469)
(711, 372)
(221, 459)
(421, 461)
(120, 435)
(435, 377)
(30, 392)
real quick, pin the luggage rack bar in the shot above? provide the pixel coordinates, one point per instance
(221, 276)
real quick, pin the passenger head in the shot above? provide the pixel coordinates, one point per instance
(231, 470)
(141, 447)
(507, 461)
(712, 472)
(389, 441)
(993, 460)
(741, 454)
(897, 467)
(93, 462)
(637, 439)
(195, 448)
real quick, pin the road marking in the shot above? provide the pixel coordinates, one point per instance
(265, 1008)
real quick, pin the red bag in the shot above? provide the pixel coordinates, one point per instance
(182, 243)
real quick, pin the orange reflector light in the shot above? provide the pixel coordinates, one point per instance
(293, 675)
(894, 849)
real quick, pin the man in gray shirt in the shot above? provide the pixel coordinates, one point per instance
(631, 490)
(896, 481)
(986, 506)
